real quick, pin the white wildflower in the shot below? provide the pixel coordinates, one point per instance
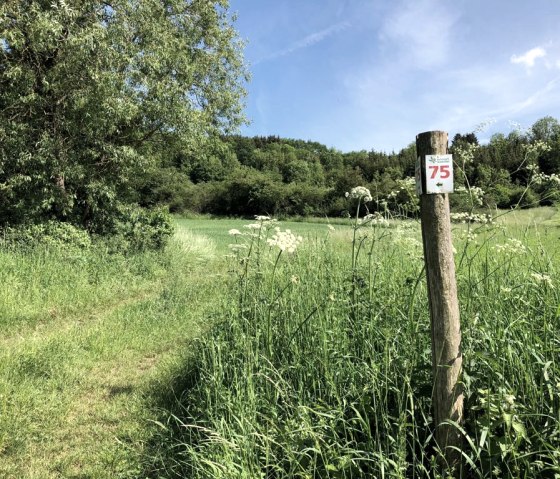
(234, 232)
(360, 192)
(285, 240)
(471, 218)
(542, 278)
(512, 246)
(253, 226)
(375, 219)
(262, 218)
(484, 125)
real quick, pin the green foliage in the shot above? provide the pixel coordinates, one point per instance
(92, 95)
(281, 176)
(136, 229)
(52, 234)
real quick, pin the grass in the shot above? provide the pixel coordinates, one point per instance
(543, 216)
(321, 365)
(89, 343)
(204, 363)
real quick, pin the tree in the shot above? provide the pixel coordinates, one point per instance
(92, 92)
(546, 129)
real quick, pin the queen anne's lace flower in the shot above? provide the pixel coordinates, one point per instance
(360, 192)
(375, 219)
(512, 246)
(285, 240)
(542, 278)
(471, 218)
(234, 232)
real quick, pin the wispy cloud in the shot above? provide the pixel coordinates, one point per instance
(420, 31)
(307, 41)
(528, 58)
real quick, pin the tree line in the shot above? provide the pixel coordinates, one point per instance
(238, 175)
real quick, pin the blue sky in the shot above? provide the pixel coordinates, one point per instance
(371, 74)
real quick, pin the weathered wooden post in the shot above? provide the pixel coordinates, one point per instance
(434, 177)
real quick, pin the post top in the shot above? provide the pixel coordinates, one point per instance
(433, 132)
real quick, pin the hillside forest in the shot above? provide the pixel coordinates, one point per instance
(241, 176)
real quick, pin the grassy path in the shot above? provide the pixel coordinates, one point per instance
(77, 384)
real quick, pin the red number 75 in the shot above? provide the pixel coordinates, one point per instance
(443, 171)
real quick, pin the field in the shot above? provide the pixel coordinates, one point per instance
(212, 361)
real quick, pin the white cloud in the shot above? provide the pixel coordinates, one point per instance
(307, 41)
(529, 57)
(421, 31)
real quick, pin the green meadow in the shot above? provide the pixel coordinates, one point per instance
(226, 356)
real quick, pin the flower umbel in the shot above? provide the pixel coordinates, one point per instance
(360, 192)
(542, 279)
(285, 240)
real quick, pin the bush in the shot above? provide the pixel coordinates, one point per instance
(137, 229)
(53, 234)
(524, 198)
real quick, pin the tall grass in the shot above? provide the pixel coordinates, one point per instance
(89, 342)
(321, 365)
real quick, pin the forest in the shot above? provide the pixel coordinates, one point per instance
(241, 176)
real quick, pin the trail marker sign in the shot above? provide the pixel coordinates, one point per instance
(439, 174)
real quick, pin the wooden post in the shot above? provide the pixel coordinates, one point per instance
(444, 307)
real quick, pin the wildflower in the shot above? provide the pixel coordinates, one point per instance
(330, 227)
(484, 125)
(234, 232)
(375, 219)
(285, 240)
(471, 218)
(360, 192)
(542, 278)
(253, 226)
(262, 218)
(512, 246)
(471, 237)
(294, 279)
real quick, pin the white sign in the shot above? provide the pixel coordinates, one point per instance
(418, 176)
(439, 174)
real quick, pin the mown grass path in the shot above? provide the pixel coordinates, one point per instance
(88, 343)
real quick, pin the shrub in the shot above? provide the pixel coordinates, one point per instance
(137, 229)
(53, 234)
